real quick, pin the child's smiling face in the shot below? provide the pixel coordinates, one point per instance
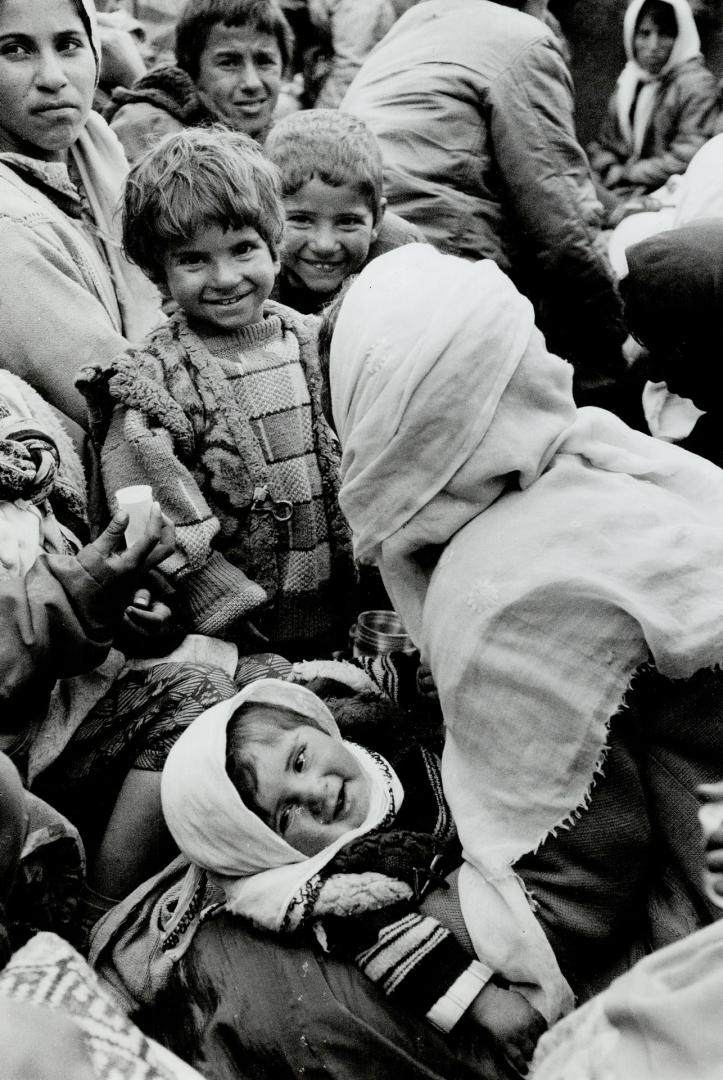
(221, 277)
(328, 234)
(309, 787)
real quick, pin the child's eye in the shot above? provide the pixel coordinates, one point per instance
(350, 222)
(298, 219)
(300, 761)
(188, 260)
(243, 249)
(284, 818)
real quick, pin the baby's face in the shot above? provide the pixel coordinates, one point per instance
(310, 788)
(652, 48)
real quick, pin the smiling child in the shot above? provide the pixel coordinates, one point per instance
(331, 180)
(220, 409)
(304, 831)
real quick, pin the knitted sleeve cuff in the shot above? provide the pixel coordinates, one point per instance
(415, 961)
(450, 1008)
(216, 595)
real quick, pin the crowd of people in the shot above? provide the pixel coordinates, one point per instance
(334, 289)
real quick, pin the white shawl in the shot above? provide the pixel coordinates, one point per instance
(573, 547)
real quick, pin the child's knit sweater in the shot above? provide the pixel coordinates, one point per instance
(230, 434)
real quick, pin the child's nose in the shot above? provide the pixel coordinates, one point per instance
(312, 793)
(225, 273)
(324, 239)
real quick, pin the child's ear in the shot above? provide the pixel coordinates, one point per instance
(379, 218)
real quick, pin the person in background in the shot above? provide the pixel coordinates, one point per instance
(489, 166)
(231, 60)
(220, 410)
(663, 108)
(122, 55)
(68, 295)
(332, 187)
(349, 31)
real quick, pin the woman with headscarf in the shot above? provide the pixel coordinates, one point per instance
(563, 577)
(664, 105)
(68, 296)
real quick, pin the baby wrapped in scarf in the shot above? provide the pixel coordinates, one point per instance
(301, 829)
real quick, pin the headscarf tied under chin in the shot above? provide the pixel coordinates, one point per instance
(262, 877)
(629, 88)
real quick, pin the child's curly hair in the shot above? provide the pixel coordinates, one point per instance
(336, 147)
(195, 178)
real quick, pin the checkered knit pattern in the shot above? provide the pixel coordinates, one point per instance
(211, 423)
(262, 367)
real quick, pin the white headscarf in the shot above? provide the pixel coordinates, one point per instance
(573, 546)
(102, 165)
(685, 47)
(260, 874)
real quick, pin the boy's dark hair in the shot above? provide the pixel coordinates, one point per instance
(195, 178)
(663, 16)
(261, 724)
(200, 16)
(332, 146)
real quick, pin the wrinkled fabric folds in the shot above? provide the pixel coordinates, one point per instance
(574, 548)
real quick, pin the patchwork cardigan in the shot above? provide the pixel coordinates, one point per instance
(174, 407)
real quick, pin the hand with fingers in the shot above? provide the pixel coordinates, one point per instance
(510, 1023)
(156, 544)
(118, 568)
(151, 626)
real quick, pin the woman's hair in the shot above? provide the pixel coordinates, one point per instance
(195, 178)
(259, 724)
(662, 15)
(200, 16)
(329, 145)
(82, 10)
